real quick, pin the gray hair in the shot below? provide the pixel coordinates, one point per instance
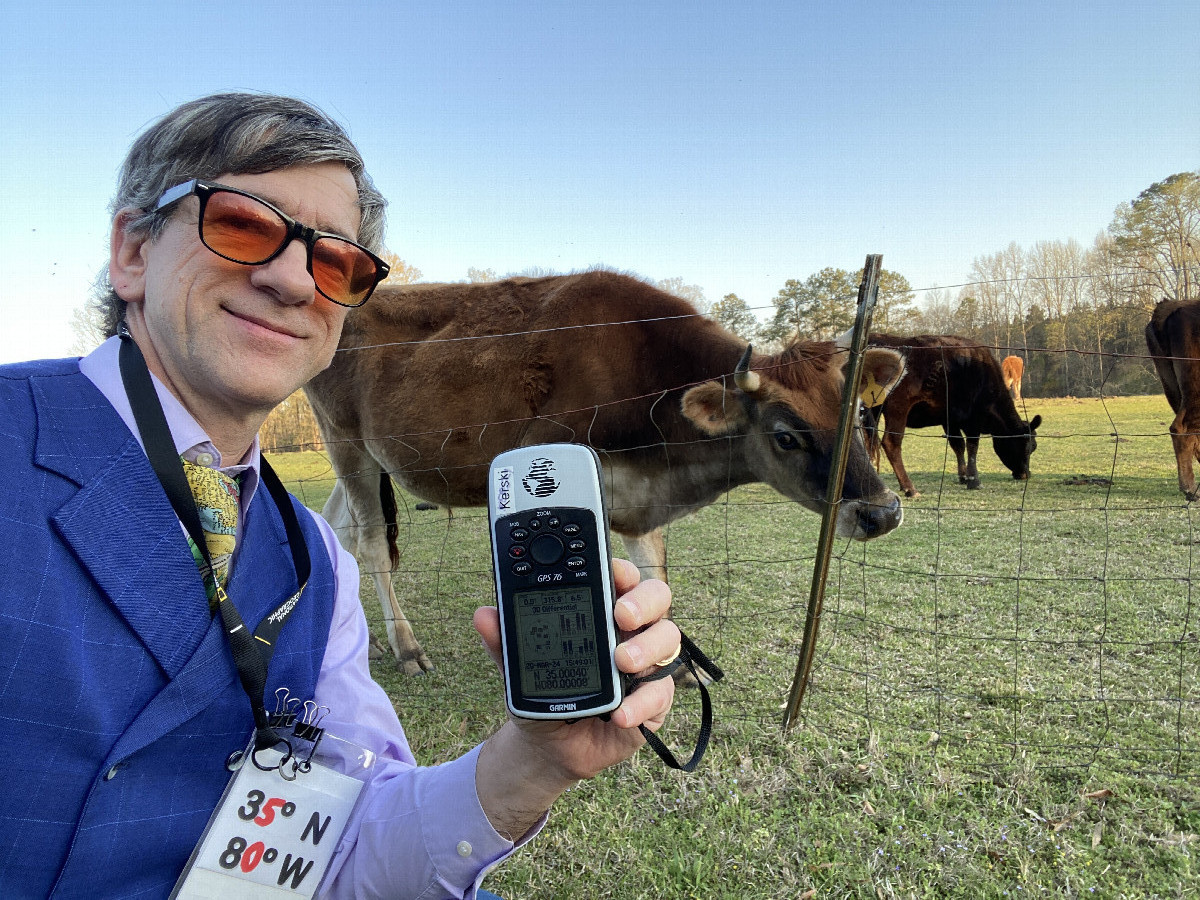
(234, 133)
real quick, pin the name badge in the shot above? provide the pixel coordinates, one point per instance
(276, 830)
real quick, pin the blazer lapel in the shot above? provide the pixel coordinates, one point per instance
(124, 532)
(210, 670)
(120, 524)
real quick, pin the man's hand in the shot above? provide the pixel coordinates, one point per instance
(527, 764)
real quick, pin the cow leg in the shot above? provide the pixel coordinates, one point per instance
(959, 447)
(355, 512)
(869, 418)
(337, 514)
(1185, 435)
(892, 439)
(648, 552)
(972, 472)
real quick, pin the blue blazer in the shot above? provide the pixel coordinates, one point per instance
(119, 700)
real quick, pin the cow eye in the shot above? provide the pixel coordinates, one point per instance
(786, 440)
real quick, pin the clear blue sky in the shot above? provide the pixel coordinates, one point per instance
(734, 145)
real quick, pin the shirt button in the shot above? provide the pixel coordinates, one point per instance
(464, 848)
(204, 459)
(112, 773)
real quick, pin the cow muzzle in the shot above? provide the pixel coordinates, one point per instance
(863, 520)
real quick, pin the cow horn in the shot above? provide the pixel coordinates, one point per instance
(742, 376)
(843, 340)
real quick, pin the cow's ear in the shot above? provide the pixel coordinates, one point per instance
(882, 370)
(713, 409)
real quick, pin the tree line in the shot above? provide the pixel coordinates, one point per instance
(1077, 315)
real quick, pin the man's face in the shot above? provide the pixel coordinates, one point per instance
(232, 340)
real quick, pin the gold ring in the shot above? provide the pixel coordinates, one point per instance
(674, 656)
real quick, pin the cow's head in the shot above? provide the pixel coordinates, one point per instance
(1014, 450)
(785, 408)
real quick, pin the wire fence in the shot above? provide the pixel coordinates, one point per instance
(1050, 620)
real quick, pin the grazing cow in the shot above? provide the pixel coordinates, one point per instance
(1173, 337)
(1013, 368)
(955, 383)
(433, 380)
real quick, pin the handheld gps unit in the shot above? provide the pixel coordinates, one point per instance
(550, 550)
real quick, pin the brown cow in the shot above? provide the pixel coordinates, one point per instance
(953, 382)
(1173, 337)
(434, 380)
(1013, 367)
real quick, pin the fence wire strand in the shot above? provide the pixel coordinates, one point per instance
(984, 638)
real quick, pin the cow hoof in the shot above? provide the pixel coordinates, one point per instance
(423, 506)
(375, 649)
(1192, 495)
(973, 484)
(912, 494)
(418, 666)
(685, 679)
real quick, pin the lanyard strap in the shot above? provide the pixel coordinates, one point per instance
(697, 662)
(251, 652)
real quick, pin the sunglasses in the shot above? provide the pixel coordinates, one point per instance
(245, 229)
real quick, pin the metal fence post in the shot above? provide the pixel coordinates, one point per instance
(868, 293)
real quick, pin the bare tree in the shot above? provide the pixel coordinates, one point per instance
(478, 276)
(693, 293)
(401, 272)
(936, 313)
(291, 426)
(1056, 271)
(87, 327)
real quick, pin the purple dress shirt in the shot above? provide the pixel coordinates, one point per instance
(417, 831)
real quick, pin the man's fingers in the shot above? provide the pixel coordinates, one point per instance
(625, 575)
(487, 622)
(659, 641)
(648, 705)
(643, 605)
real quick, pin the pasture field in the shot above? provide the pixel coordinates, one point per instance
(1005, 697)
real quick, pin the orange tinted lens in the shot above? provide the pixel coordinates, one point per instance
(241, 229)
(342, 271)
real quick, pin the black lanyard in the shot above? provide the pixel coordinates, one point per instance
(697, 662)
(251, 652)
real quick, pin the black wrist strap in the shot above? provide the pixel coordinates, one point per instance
(701, 667)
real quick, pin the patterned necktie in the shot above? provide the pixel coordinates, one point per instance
(217, 502)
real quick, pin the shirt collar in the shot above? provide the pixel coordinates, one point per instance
(102, 368)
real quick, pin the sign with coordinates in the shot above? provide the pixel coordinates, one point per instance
(276, 834)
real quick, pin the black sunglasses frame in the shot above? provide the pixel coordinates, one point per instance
(295, 230)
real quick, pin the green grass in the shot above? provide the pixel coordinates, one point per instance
(1004, 699)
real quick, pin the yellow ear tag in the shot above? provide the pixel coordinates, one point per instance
(872, 392)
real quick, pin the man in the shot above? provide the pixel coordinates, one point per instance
(122, 695)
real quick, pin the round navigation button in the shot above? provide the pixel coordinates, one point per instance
(546, 549)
